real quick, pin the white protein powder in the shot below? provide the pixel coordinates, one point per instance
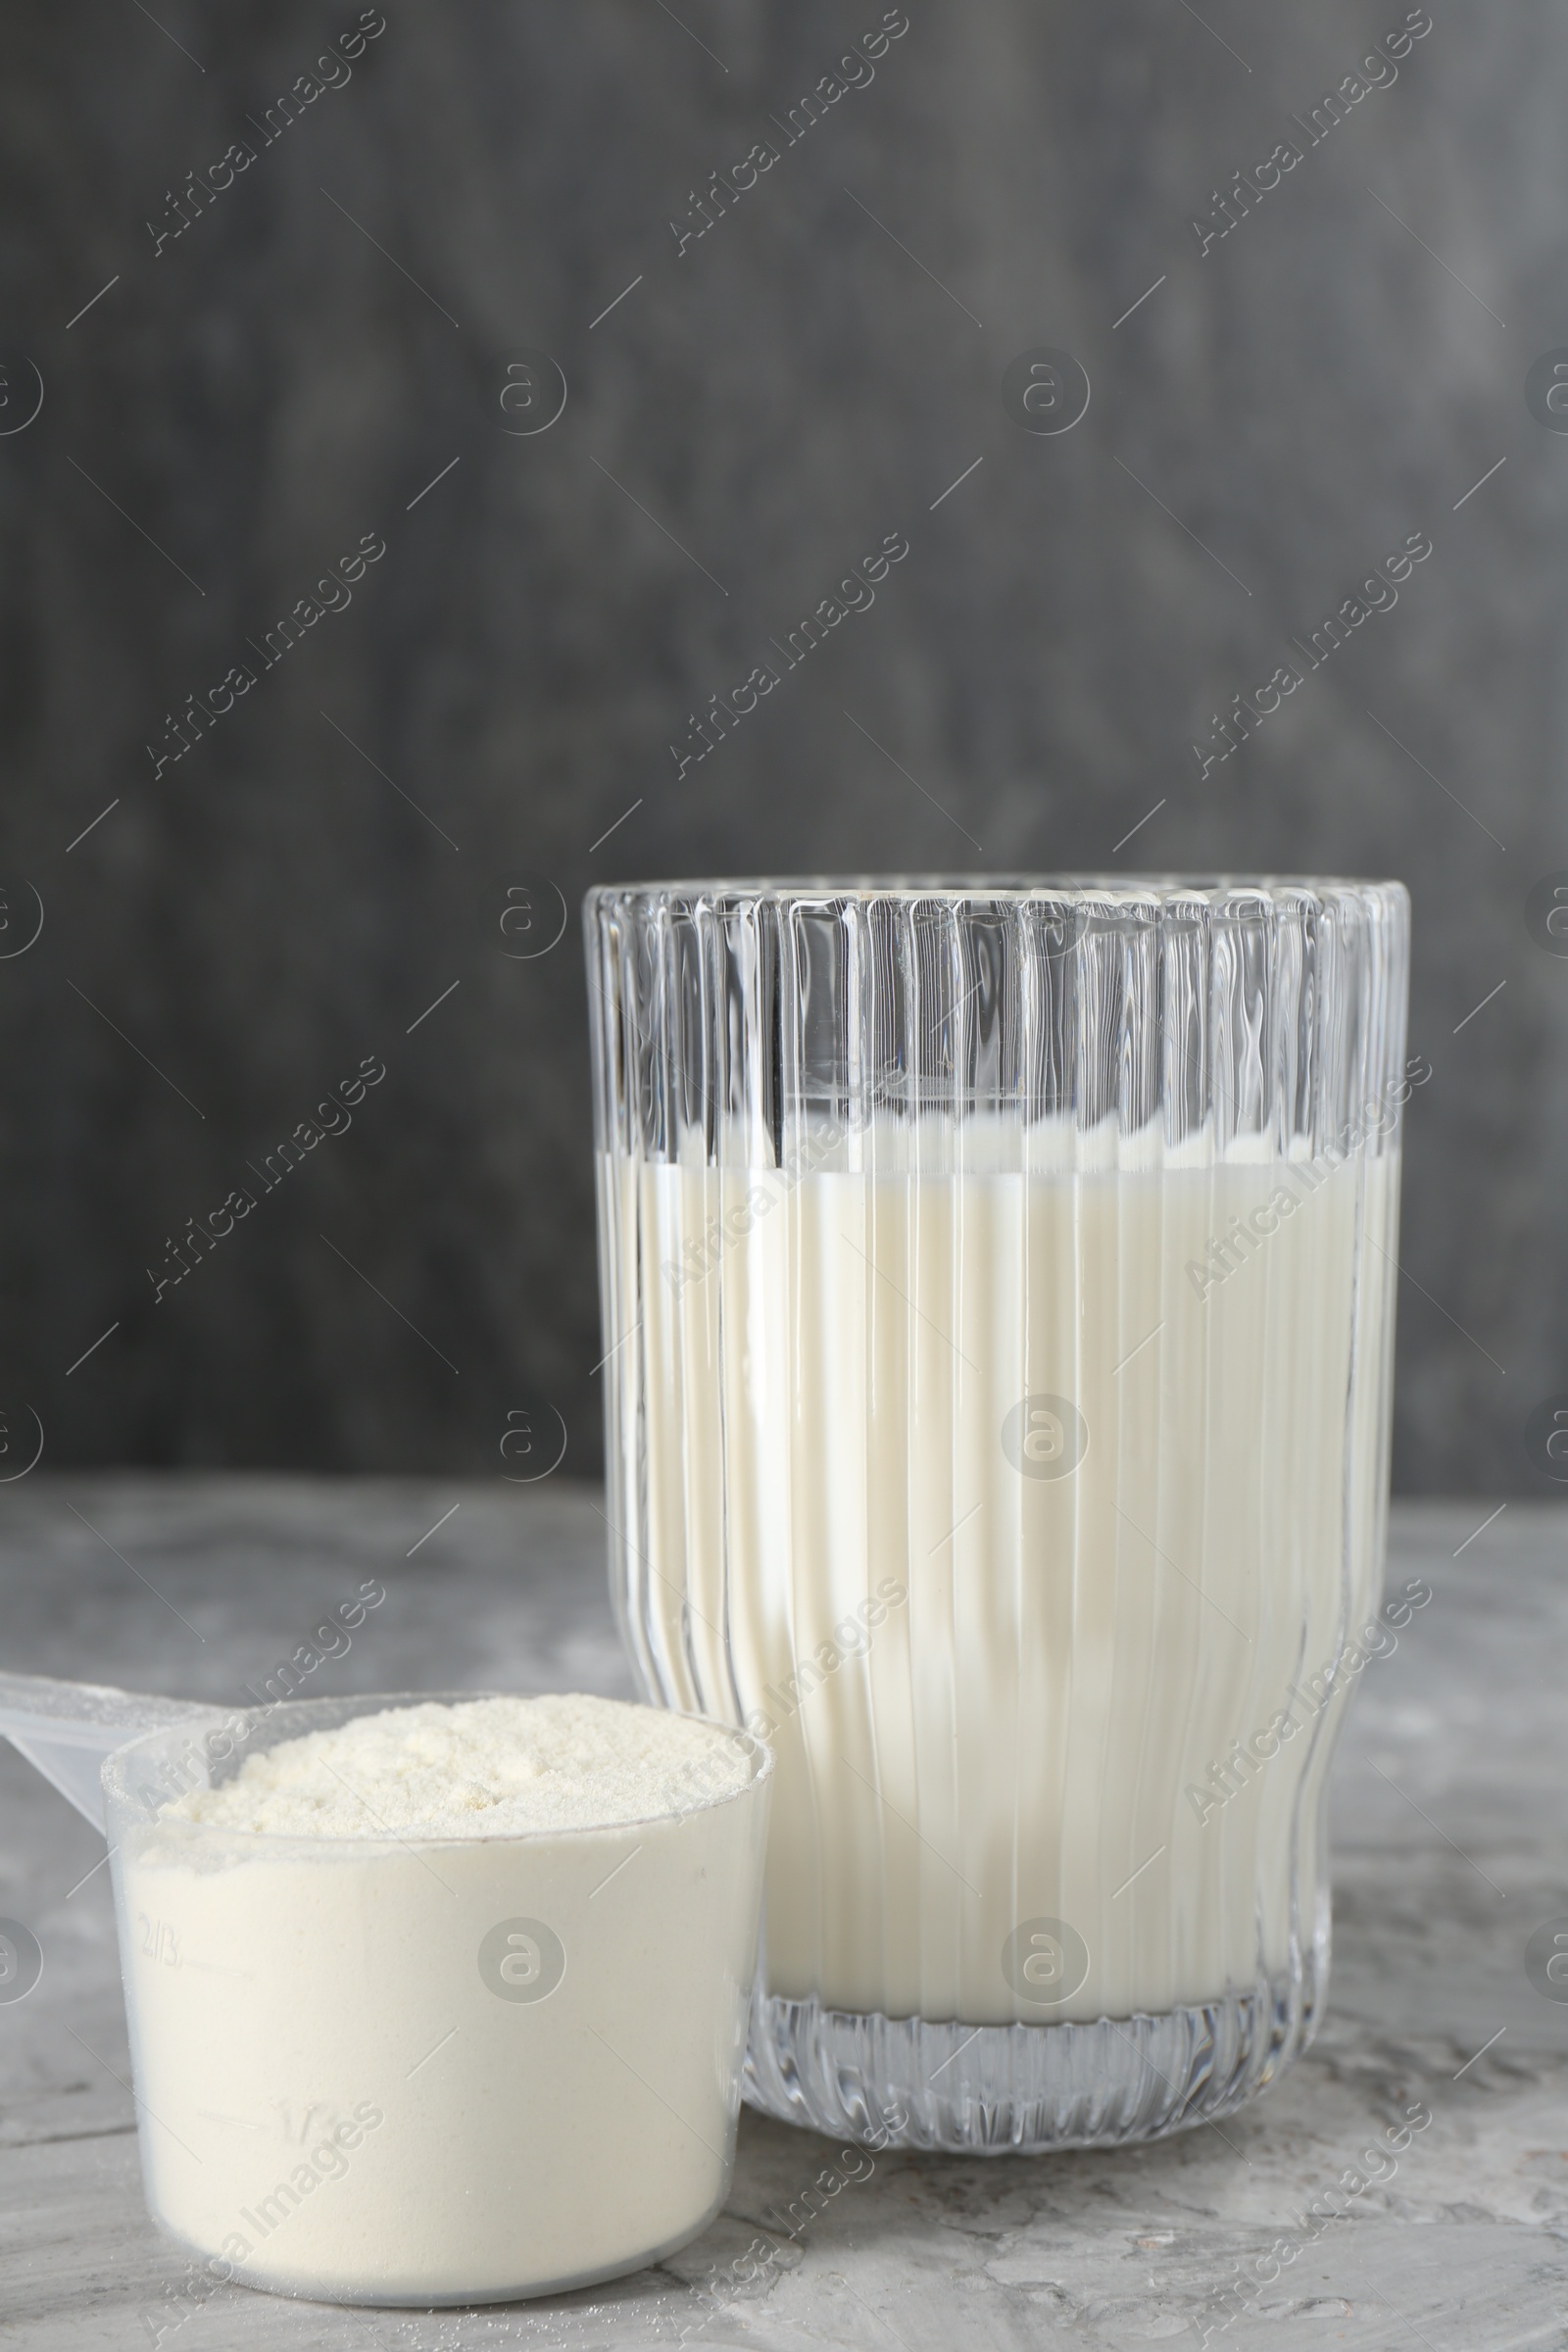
(487, 1768)
(447, 2002)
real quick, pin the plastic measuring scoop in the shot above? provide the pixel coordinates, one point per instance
(66, 1729)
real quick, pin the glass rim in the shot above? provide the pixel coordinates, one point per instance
(1010, 885)
(194, 1727)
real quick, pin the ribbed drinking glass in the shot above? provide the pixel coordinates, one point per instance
(998, 1283)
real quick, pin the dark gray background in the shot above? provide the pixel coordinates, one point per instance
(796, 384)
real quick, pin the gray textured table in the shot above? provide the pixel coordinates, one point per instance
(1449, 1819)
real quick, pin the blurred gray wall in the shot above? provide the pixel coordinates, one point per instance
(330, 333)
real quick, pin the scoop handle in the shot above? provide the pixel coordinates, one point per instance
(65, 1730)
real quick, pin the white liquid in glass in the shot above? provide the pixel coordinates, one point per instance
(1056, 1651)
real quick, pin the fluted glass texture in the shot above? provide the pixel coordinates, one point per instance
(998, 1283)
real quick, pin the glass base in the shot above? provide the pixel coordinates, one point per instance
(1010, 2091)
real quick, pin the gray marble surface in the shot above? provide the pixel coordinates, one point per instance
(1448, 1843)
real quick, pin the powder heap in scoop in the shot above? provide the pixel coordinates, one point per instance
(479, 1768)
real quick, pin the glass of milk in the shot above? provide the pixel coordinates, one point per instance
(997, 1284)
(391, 2065)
